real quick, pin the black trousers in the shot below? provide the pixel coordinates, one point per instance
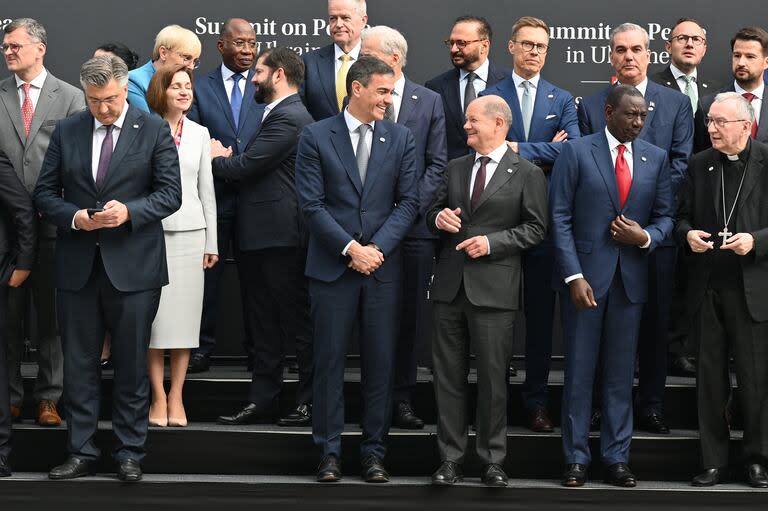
(5, 401)
(724, 326)
(84, 316)
(277, 314)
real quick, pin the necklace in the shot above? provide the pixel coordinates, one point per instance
(724, 233)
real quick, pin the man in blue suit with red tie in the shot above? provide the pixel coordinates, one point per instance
(611, 204)
(546, 117)
(355, 181)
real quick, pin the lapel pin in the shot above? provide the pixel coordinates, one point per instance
(382, 139)
(644, 158)
(711, 169)
(704, 85)
(136, 126)
(414, 97)
(509, 170)
(669, 83)
(551, 96)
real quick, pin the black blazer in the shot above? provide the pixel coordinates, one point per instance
(18, 223)
(143, 174)
(447, 85)
(762, 122)
(267, 208)
(700, 200)
(704, 88)
(512, 213)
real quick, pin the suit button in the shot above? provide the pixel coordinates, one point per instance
(362, 211)
(238, 140)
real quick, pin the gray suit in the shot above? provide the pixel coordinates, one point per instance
(57, 100)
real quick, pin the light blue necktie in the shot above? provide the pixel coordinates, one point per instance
(236, 99)
(527, 108)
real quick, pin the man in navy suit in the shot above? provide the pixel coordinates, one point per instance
(669, 125)
(468, 44)
(325, 84)
(355, 180)
(420, 110)
(224, 103)
(610, 203)
(545, 117)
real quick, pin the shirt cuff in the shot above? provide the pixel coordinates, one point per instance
(436, 218)
(344, 252)
(648, 241)
(570, 279)
(73, 222)
(488, 242)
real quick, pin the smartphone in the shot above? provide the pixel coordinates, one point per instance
(91, 211)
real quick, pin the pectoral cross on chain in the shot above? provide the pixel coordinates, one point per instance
(725, 234)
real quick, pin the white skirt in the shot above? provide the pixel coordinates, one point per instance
(177, 324)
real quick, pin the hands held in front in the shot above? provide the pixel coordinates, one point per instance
(448, 220)
(474, 247)
(114, 215)
(742, 242)
(18, 277)
(628, 232)
(365, 259)
(217, 149)
(581, 294)
(209, 260)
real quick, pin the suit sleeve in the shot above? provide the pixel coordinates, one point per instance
(547, 152)
(17, 202)
(682, 143)
(77, 104)
(435, 159)
(439, 203)
(685, 207)
(661, 223)
(137, 96)
(47, 194)
(585, 123)
(563, 184)
(207, 194)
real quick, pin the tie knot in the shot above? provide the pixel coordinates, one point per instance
(25, 87)
(237, 77)
(345, 57)
(621, 148)
(749, 96)
(484, 160)
(688, 79)
(109, 128)
(363, 129)
(527, 85)
(471, 76)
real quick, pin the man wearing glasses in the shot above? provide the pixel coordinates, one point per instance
(545, 116)
(468, 44)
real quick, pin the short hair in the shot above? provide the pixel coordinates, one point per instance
(629, 27)
(360, 6)
(364, 68)
(288, 60)
(130, 58)
(752, 34)
(227, 26)
(158, 85)
(390, 39)
(617, 93)
(686, 20)
(495, 106)
(484, 31)
(529, 21)
(34, 28)
(99, 71)
(744, 108)
(175, 36)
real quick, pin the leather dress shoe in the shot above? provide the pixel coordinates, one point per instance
(575, 475)
(5, 468)
(301, 416)
(595, 419)
(129, 471)
(198, 363)
(47, 416)
(447, 474)
(404, 417)
(493, 475)
(653, 422)
(374, 471)
(757, 476)
(619, 474)
(683, 366)
(709, 477)
(15, 413)
(251, 414)
(72, 468)
(329, 470)
(540, 422)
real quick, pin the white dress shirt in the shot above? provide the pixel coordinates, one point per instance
(229, 83)
(272, 106)
(35, 89)
(757, 103)
(354, 136)
(480, 82)
(521, 90)
(679, 74)
(338, 52)
(397, 97)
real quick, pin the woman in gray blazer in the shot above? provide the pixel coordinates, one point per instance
(190, 240)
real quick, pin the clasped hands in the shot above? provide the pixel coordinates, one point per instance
(218, 149)
(114, 215)
(448, 220)
(742, 242)
(560, 136)
(364, 259)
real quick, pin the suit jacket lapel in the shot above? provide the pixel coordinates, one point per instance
(518, 133)
(408, 102)
(85, 147)
(753, 169)
(651, 99)
(10, 96)
(380, 144)
(343, 146)
(453, 99)
(131, 127)
(504, 171)
(762, 122)
(248, 100)
(48, 96)
(217, 84)
(327, 71)
(541, 107)
(602, 154)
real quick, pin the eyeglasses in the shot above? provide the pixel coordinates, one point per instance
(530, 45)
(240, 44)
(683, 39)
(460, 43)
(110, 101)
(186, 58)
(14, 47)
(720, 123)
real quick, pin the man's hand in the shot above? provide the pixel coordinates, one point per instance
(217, 149)
(115, 214)
(18, 277)
(696, 241)
(366, 259)
(581, 294)
(742, 243)
(513, 146)
(475, 247)
(209, 260)
(560, 136)
(86, 223)
(628, 232)
(448, 220)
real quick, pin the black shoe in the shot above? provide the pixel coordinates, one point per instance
(374, 471)
(493, 475)
(757, 476)
(512, 371)
(129, 471)
(329, 470)
(619, 474)
(251, 414)
(575, 475)
(106, 363)
(683, 366)
(539, 421)
(72, 468)
(405, 418)
(709, 477)
(301, 416)
(449, 473)
(594, 421)
(198, 363)
(652, 422)
(5, 468)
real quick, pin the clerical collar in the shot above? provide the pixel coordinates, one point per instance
(743, 156)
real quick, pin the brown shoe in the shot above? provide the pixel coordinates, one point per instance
(47, 415)
(540, 422)
(15, 413)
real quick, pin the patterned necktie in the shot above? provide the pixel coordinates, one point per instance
(469, 90)
(341, 80)
(104, 157)
(527, 107)
(27, 111)
(479, 186)
(236, 99)
(691, 91)
(623, 175)
(362, 154)
(749, 97)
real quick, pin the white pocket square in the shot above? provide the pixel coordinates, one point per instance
(551, 116)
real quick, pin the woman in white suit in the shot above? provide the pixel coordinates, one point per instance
(190, 241)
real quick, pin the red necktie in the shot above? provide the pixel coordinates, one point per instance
(749, 97)
(479, 186)
(623, 176)
(26, 109)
